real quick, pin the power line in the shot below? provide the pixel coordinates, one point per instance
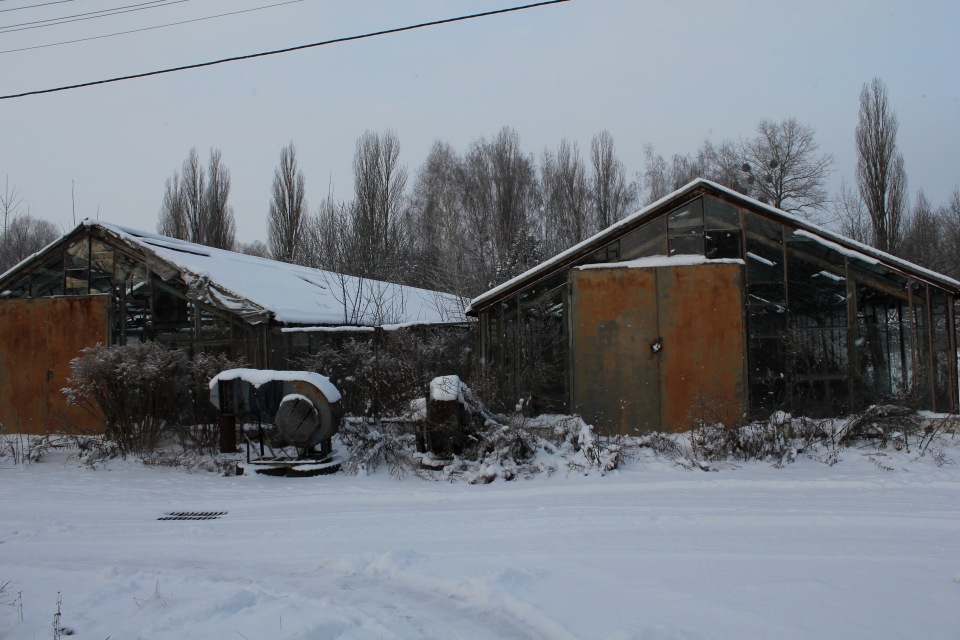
(251, 56)
(159, 26)
(92, 15)
(34, 6)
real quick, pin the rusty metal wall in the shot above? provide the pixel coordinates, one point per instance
(655, 348)
(38, 338)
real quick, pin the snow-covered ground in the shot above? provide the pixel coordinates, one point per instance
(649, 551)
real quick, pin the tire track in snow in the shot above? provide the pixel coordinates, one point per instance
(404, 604)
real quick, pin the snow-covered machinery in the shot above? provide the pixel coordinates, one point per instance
(303, 406)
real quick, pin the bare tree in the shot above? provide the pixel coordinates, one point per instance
(437, 238)
(851, 216)
(881, 177)
(923, 234)
(613, 197)
(379, 182)
(567, 198)
(499, 196)
(788, 171)
(10, 203)
(722, 163)
(173, 212)
(333, 248)
(219, 225)
(195, 204)
(23, 237)
(22, 234)
(193, 185)
(287, 220)
(951, 222)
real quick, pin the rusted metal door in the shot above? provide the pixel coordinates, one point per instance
(38, 338)
(616, 376)
(656, 348)
(701, 359)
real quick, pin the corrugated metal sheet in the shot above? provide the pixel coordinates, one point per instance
(655, 348)
(38, 338)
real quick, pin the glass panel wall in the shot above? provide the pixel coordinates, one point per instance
(647, 241)
(766, 315)
(919, 394)
(543, 345)
(883, 350)
(685, 229)
(817, 336)
(721, 229)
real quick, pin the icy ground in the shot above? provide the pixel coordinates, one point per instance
(650, 551)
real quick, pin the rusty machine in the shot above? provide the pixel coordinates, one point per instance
(304, 408)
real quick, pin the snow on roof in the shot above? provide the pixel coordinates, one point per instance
(257, 288)
(678, 260)
(848, 247)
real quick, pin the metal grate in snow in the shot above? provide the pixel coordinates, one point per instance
(192, 515)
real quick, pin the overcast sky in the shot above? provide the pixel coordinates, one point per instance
(669, 73)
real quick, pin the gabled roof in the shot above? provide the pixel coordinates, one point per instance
(695, 188)
(259, 289)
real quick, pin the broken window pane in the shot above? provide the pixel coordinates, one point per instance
(101, 267)
(19, 289)
(78, 268)
(48, 280)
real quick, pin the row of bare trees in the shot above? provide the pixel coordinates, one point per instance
(469, 221)
(472, 219)
(195, 206)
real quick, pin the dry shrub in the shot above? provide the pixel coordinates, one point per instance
(139, 389)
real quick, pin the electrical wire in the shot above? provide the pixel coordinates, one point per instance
(34, 6)
(92, 15)
(301, 47)
(159, 26)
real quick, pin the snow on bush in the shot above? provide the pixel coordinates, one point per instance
(497, 446)
(507, 447)
(141, 388)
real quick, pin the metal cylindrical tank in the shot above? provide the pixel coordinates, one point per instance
(304, 406)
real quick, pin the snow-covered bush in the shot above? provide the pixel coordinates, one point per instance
(372, 444)
(140, 388)
(496, 446)
(885, 425)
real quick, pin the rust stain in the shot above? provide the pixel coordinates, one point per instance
(653, 349)
(38, 338)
